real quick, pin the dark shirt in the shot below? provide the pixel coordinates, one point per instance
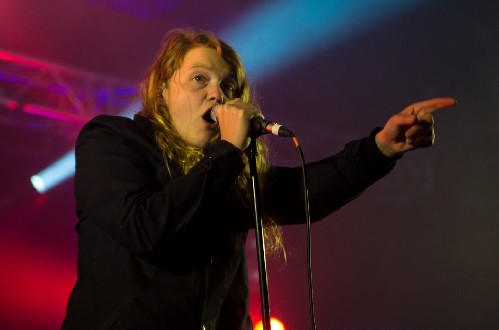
(168, 252)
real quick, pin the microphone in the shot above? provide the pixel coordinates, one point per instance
(260, 126)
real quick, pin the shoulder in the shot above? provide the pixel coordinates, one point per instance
(108, 121)
(139, 127)
(113, 132)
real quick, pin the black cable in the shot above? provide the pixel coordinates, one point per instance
(309, 235)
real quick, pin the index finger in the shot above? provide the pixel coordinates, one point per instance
(429, 106)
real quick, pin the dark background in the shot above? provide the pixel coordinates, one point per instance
(420, 249)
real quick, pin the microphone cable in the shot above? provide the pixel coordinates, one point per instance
(261, 126)
(309, 233)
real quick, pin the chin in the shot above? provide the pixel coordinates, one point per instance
(205, 141)
(211, 142)
(202, 143)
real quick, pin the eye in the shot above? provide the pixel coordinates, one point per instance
(199, 78)
(229, 89)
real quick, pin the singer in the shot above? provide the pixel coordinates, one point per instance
(163, 200)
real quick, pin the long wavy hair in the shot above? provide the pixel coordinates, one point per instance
(178, 153)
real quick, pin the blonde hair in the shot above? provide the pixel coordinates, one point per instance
(177, 152)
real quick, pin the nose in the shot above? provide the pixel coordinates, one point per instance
(216, 94)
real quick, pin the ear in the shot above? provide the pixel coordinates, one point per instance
(161, 87)
(164, 94)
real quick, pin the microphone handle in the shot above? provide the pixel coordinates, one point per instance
(260, 126)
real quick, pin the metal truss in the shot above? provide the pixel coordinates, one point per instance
(36, 94)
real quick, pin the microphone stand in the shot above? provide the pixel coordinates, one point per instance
(251, 152)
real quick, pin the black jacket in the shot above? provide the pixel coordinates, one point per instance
(167, 252)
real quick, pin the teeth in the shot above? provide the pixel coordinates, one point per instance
(213, 115)
(209, 116)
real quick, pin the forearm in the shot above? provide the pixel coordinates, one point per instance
(332, 182)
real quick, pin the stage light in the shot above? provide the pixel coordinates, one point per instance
(55, 173)
(8, 103)
(278, 34)
(275, 324)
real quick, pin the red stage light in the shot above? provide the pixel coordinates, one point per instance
(275, 324)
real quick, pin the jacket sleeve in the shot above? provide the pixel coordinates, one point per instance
(331, 182)
(118, 185)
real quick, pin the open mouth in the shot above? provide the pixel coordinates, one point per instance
(208, 117)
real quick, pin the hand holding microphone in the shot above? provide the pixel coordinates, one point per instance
(230, 117)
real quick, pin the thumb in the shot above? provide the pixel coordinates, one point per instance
(404, 120)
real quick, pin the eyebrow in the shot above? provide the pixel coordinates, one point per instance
(231, 75)
(201, 65)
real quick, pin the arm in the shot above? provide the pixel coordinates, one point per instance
(332, 182)
(336, 180)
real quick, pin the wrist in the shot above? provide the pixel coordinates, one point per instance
(385, 146)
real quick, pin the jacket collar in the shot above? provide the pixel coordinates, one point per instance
(144, 125)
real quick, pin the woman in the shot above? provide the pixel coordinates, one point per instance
(162, 199)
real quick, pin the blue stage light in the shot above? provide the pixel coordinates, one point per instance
(278, 34)
(55, 173)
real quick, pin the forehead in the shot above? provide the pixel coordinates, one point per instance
(204, 57)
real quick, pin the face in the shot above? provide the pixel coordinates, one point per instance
(194, 89)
